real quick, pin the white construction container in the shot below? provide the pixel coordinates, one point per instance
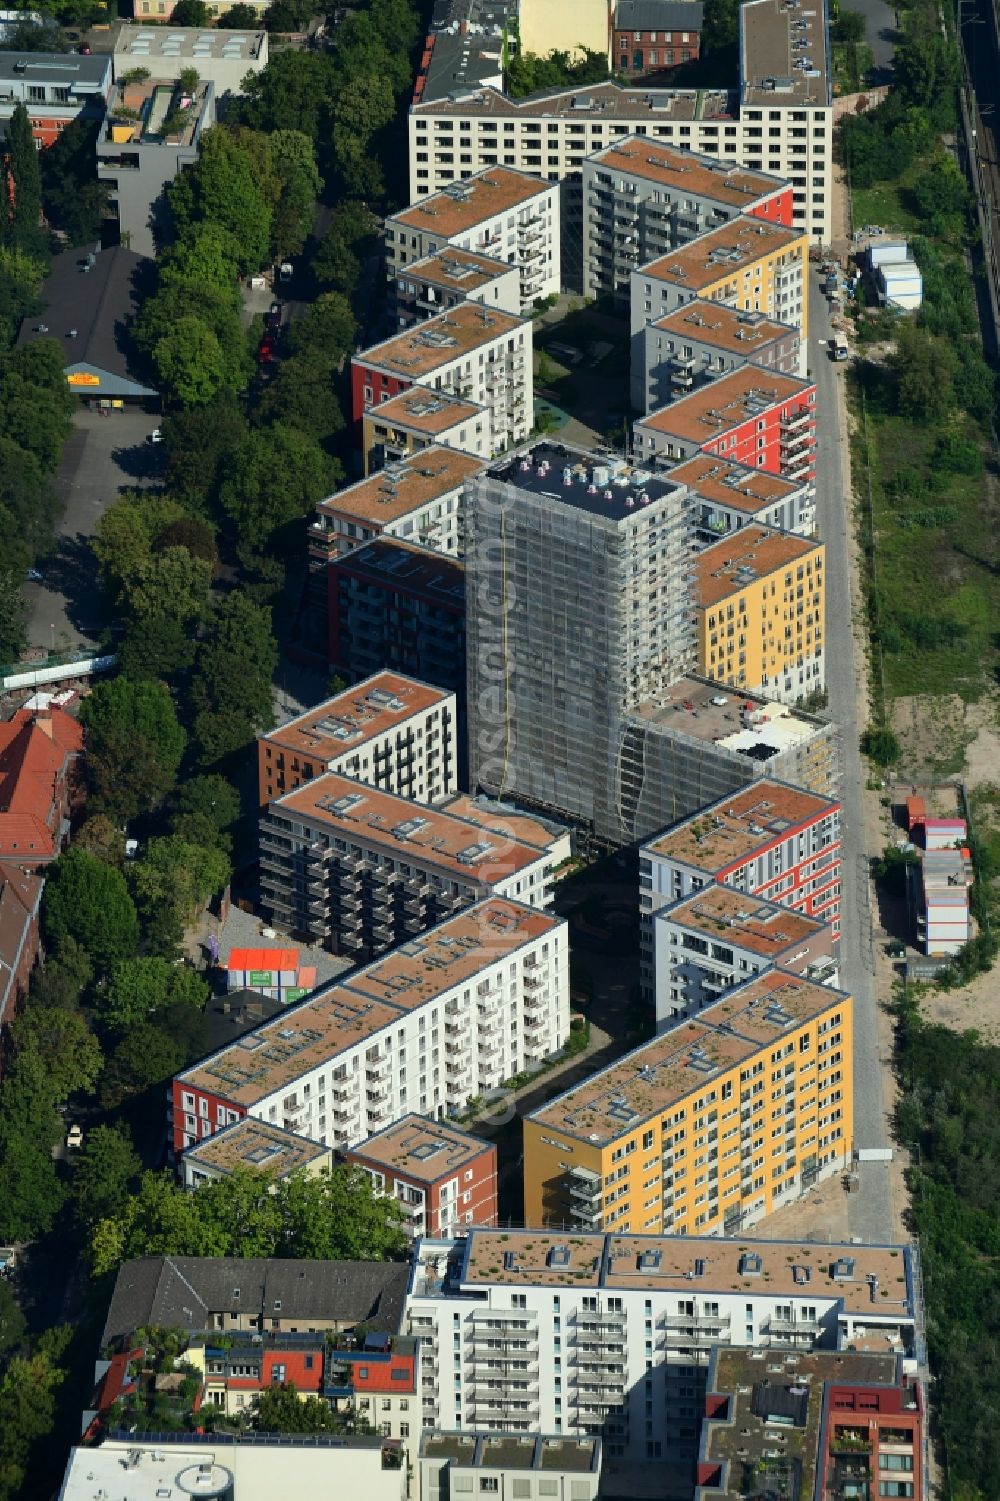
(901, 285)
(888, 253)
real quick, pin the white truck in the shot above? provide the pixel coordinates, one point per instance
(838, 347)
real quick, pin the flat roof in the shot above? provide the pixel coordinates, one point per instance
(784, 53)
(605, 487)
(84, 75)
(691, 172)
(508, 1451)
(720, 253)
(668, 1069)
(370, 817)
(750, 553)
(787, 1388)
(462, 205)
(721, 327)
(457, 270)
(604, 101)
(404, 486)
(739, 826)
(721, 914)
(423, 410)
(423, 968)
(416, 352)
(408, 569)
(138, 42)
(347, 720)
(423, 1150)
(313, 1032)
(727, 483)
(517, 1258)
(737, 397)
(529, 828)
(256, 1144)
(744, 723)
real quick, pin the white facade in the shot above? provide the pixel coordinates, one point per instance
(512, 1468)
(451, 276)
(417, 498)
(944, 923)
(505, 214)
(367, 1065)
(728, 496)
(704, 340)
(234, 1471)
(622, 1349)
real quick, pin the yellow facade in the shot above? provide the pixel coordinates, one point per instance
(710, 1158)
(754, 630)
(759, 285)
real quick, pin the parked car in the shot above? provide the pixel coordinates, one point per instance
(34, 577)
(265, 353)
(156, 436)
(74, 1138)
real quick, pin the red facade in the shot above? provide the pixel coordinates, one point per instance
(890, 1419)
(793, 887)
(643, 52)
(370, 385)
(469, 1189)
(195, 1114)
(788, 430)
(776, 210)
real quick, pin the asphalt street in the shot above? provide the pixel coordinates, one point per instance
(104, 456)
(869, 1214)
(881, 27)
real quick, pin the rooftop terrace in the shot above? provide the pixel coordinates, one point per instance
(349, 719)
(155, 112)
(698, 176)
(736, 828)
(403, 486)
(418, 351)
(422, 410)
(745, 556)
(259, 1145)
(744, 723)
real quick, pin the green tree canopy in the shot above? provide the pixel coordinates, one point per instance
(292, 93)
(362, 107)
(22, 199)
(105, 1171)
(191, 13)
(336, 1215)
(28, 1395)
(277, 477)
(172, 883)
(294, 163)
(280, 1409)
(208, 257)
(200, 444)
(222, 189)
(231, 688)
(36, 405)
(134, 742)
(74, 198)
(349, 239)
(63, 978)
(66, 1050)
(88, 901)
(138, 989)
(20, 287)
(153, 1051)
(190, 363)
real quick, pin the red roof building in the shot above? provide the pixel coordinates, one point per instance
(39, 784)
(20, 899)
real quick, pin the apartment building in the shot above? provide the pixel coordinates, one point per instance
(702, 340)
(499, 211)
(852, 1420)
(362, 869)
(728, 496)
(652, 36)
(509, 1465)
(390, 731)
(396, 605)
(567, 1333)
(225, 57)
(776, 118)
(421, 418)
(444, 1017)
(417, 498)
(579, 569)
(708, 943)
(749, 265)
(760, 604)
(450, 276)
(644, 197)
(759, 419)
(481, 355)
(55, 88)
(441, 1177)
(151, 133)
(709, 1127)
(261, 1146)
(771, 840)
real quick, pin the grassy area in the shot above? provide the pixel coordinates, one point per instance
(852, 63)
(887, 203)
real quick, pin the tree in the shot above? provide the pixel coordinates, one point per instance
(63, 1045)
(880, 744)
(277, 477)
(849, 27)
(280, 1409)
(138, 989)
(13, 1324)
(102, 838)
(172, 883)
(28, 1411)
(36, 405)
(74, 198)
(146, 1056)
(327, 328)
(190, 363)
(20, 288)
(208, 257)
(239, 18)
(349, 239)
(179, 302)
(339, 1216)
(155, 648)
(191, 13)
(13, 615)
(134, 742)
(926, 73)
(362, 108)
(200, 444)
(292, 92)
(223, 189)
(301, 398)
(289, 15)
(63, 978)
(23, 195)
(211, 797)
(32, 1193)
(104, 1172)
(294, 165)
(231, 688)
(86, 900)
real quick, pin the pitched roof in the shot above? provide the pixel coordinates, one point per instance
(35, 747)
(20, 893)
(185, 1291)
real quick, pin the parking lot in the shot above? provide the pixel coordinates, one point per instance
(104, 456)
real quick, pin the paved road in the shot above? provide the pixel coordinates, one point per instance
(104, 455)
(868, 1212)
(881, 30)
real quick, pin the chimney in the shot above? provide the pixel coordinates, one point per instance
(43, 719)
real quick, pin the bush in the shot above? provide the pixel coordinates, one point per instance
(881, 745)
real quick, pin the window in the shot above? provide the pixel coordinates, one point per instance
(489, 1483)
